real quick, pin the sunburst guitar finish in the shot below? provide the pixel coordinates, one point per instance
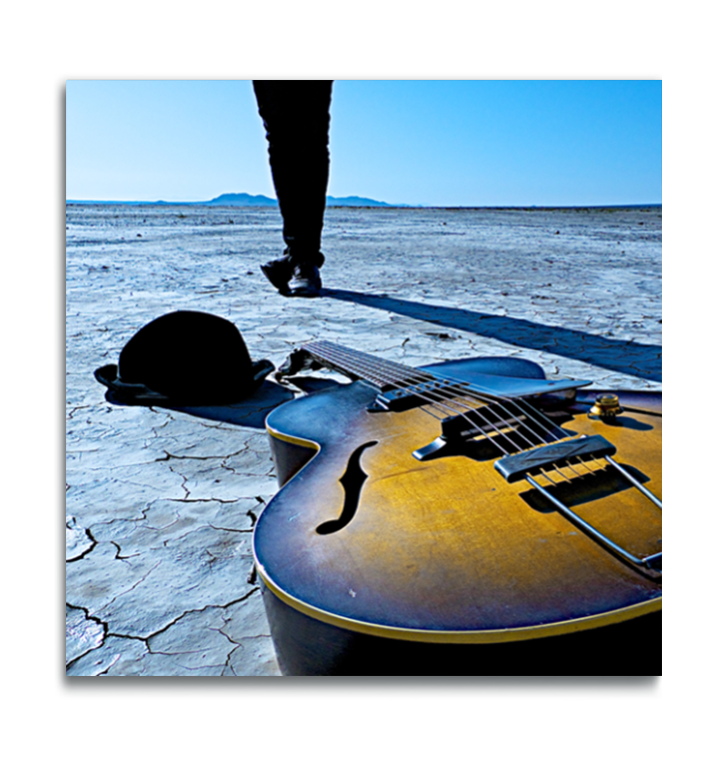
(397, 545)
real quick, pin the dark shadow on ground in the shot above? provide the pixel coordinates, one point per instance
(247, 413)
(251, 412)
(641, 360)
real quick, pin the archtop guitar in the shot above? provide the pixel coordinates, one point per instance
(470, 508)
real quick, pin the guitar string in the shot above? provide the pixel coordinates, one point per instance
(352, 359)
(532, 413)
(537, 416)
(420, 377)
(380, 379)
(398, 375)
(373, 375)
(351, 362)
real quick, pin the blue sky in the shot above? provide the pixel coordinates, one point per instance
(441, 143)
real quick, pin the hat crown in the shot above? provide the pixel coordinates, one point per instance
(188, 356)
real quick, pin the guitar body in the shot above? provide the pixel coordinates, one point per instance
(374, 562)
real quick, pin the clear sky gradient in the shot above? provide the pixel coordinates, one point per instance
(439, 143)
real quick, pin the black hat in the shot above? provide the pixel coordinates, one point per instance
(184, 359)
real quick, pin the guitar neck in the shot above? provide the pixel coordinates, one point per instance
(384, 374)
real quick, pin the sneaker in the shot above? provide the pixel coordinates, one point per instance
(305, 281)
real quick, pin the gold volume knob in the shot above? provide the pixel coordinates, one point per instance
(607, 406)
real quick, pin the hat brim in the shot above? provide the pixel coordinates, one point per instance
(141, 395)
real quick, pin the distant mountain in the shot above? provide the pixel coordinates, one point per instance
(250, 200)
(242, 200)
(357, 201)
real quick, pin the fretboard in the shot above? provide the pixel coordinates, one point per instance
(382, 373)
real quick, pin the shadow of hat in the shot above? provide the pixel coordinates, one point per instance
(184, 359)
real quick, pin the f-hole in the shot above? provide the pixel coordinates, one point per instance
(352, 481)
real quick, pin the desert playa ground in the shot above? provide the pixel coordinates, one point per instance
(160, 503)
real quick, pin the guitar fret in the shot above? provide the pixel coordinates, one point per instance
(376, 370)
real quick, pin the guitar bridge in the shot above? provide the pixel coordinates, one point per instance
(524, 464)
(517, 466)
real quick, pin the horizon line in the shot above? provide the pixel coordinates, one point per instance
(380, 205)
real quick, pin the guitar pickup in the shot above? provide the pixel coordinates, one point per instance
(517, 466)
(459, 429)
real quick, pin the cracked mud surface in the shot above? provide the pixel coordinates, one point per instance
(161, 503)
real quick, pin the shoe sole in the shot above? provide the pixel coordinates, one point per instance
(304, 292)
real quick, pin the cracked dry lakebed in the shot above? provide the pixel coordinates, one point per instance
(161, 503)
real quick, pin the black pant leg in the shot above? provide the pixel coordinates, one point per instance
(296, 115)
